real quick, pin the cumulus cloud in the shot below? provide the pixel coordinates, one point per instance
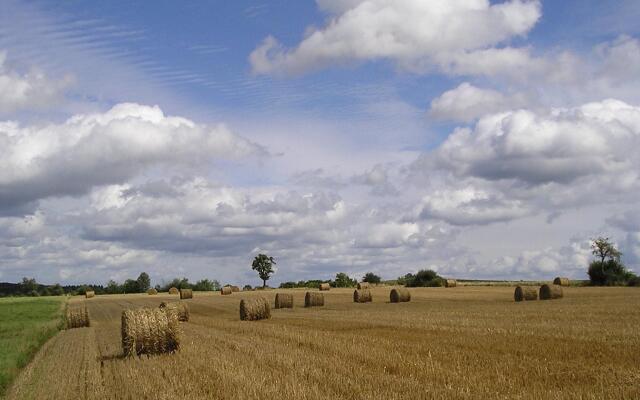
(417, 35)
(90, 150)
(28, 90)
(378, 179)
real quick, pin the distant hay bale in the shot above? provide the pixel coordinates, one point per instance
(450, 283)
(180, 308)
(400, 295)
(550, 292)
(152, 292)
(78, 317)
(235, 289)
(364, 285)
(254, 309)
(89, 294)
(186, 294)
(174, 290)
(313, 299)
(561, 281)
(362, 296)
(525, 293)
(325, 286)
(284, 300)
(226, 290)
(149, 331)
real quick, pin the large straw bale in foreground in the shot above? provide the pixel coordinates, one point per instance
(226, 290)
(325, 286)
(550, 292)
(78, 317)
(400, 295)
(313, 299)
(149, 331)
(152, 292)
(364, 285)
(284, 300)
(186, 294)
(450, 283)
(89, 294)
(525, 293)
(561, 281)
(362, 296)
(254, 309)
(178, 307)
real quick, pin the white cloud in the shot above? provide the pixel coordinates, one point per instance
(28, 90)
(417, 35)
(105, 148)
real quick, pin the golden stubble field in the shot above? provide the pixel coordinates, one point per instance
(457, 343)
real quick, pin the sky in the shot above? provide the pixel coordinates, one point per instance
(482, 139)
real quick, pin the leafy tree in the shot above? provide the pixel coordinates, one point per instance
(28, 286)
(263, 264)
(131, 286)
(371, 278)
(57, 290)
(343, 280)
(607, 268)
(144, 282)
(205, 285)
(113, 287)
(424, 278)
(404, 280)
(248, 287)
(289, 285)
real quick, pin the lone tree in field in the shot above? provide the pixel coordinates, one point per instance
(144, 282)
(264, 265)
(607, 269)
(371, 278)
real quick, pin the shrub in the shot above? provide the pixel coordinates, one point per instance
(608, 273)
(424, 278)
(371, 278)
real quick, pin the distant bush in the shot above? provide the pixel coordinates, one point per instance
(288, 285)
(609, 273)
(371, 278)
(247, 287)
(424, 278)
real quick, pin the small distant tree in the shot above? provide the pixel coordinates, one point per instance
(247, 287)
(607, 268)
(263, 264)
(424, 278)
(57, 290)
(343, 280)
(205, 285)
(131, 286)
(28, 286)
(113, 287)
(371, 278)
(144, 282)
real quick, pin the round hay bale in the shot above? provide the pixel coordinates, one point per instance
(362, 296)
(152, 292)
(235, 289)
(525, 293)
(89, 294)
(226, 290)
(254, 309)
(78, 317)
(186, 294)
(325, 286)
(364, 285)
(174, 290)
(561, 281)
(284, 300)
(400, 295)
(149, 331)
(550, 292)
(180, 308)
(450, 283)
(313, 299)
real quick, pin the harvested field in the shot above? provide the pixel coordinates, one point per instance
(468, 343)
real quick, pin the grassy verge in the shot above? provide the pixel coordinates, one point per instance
(27, 323)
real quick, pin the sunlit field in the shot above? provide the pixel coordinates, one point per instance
(465, 342)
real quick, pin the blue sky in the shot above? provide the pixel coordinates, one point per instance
(408, 134)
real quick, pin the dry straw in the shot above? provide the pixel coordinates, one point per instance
(325, 286)
(254, 309)
(364, 285)
(77, 317)
(284, 300)
(561, 281)
(180, 308)
(525, 293)
(89, 294)
(362, 296)
(550, 292)
(313, 299)
(149, 331)
(400, 295)
(152, 292)
(174, 290)
(450, 283)
(226, 290)
(186, 294)
(235, 289)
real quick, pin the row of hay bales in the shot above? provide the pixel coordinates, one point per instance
(545, 292)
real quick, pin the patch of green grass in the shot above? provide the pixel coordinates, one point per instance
(26, 323)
